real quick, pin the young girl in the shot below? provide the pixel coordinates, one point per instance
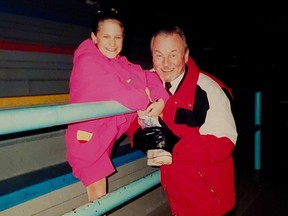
(100, 73)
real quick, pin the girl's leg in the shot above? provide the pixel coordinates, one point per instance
(97, 189)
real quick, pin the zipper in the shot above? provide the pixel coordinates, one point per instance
(209, 187)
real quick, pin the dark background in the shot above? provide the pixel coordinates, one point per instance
(242, 43)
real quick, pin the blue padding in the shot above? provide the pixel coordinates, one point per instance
(125, 159)
(33, 191)
(36, 190)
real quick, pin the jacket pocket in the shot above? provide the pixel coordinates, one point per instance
(84, 136)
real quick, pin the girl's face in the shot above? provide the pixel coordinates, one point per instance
(109, 37)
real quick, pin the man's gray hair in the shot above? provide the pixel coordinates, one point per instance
(169, 30)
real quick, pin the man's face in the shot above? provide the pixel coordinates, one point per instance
(169, 56)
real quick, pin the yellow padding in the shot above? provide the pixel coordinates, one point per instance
(33, 100)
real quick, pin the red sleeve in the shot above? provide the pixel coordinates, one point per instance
(196, 148)
(131, 130)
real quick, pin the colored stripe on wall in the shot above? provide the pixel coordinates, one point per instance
(10, 102)
(6, 45)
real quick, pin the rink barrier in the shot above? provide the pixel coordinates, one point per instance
(47, 116)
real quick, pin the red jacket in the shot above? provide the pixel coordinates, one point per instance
(200, 181)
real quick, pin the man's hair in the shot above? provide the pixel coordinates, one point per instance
(169, 30)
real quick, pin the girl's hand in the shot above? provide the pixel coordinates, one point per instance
(155, 108)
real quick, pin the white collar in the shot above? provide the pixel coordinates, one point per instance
(175, 83)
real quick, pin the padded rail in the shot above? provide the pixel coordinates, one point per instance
(48, 116)
(117, 197)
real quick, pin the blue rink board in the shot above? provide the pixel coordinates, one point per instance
(24, 188)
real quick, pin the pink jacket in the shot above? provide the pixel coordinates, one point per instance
(97, 78)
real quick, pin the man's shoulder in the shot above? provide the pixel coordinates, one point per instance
(206, 79)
